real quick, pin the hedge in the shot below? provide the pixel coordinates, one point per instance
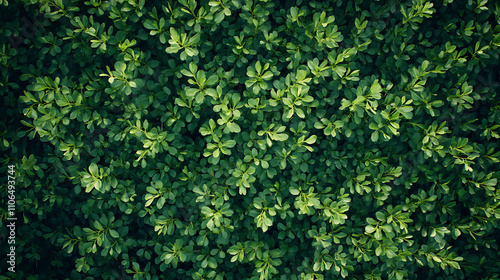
(255, 139)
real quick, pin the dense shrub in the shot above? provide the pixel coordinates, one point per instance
(256, 139)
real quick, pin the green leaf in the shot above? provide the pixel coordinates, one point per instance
(258, 67)
(94, 170)
(114, 233)
(174, 35)
(390, 254)
(280, 137)
(311, 140)
(294, 191)
(233, 127)
(370, 229)
(98, 225)
(120, 66)
(380, 216)
(230, 143)
(267, 75)
(491, 182)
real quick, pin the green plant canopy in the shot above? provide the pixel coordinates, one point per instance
(250, 139)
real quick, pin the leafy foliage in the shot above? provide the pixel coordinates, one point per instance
(255, 139)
